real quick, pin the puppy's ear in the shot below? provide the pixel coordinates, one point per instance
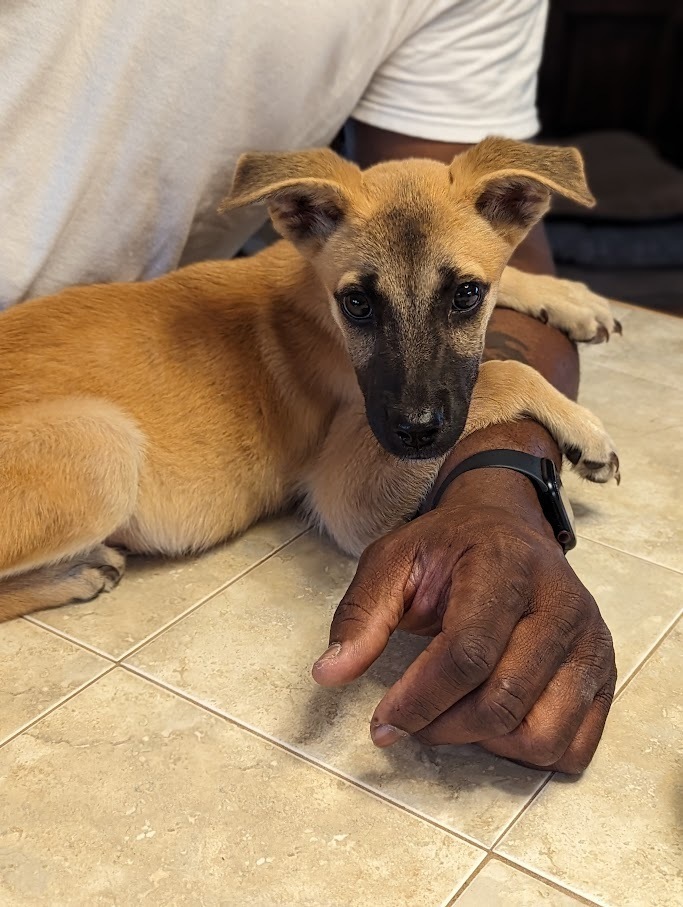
(308, 193)
(509, 183)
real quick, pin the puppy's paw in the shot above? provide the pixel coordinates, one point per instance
(100, 570)
(575, 310)
(592, 452)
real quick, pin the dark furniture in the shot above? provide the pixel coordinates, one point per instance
(615, 64)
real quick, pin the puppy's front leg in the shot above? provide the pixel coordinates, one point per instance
(357, 492)
(506, 391)
(564, 304)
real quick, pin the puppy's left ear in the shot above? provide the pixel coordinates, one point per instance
(510, 183)
(308, 193)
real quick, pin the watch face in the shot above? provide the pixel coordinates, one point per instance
(557, 508)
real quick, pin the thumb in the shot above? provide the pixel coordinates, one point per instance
(368, 614)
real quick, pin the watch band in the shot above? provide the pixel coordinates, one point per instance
(503, 458)
(540, 471)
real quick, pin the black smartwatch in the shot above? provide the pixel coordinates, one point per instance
(552, 498)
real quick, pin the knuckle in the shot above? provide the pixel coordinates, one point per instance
(352, 609)
(504, 708)
(604, 639)
(595, 656)
(472, 657)
(413, 711)
(354, 614)
(578, 607)
(572, 611)
(605, 695)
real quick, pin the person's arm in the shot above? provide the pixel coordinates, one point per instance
(522, 661)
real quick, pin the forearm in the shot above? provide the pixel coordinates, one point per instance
(512, 335)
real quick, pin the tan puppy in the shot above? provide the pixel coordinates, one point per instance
(338, 368)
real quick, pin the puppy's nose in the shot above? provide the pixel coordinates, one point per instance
(420, 430)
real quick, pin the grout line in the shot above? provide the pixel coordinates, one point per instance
(117, 659)
(56, 705)
(617, 697)
(640, 557)
(551, 883)
(202, 601)
(489, 853)
(646, 657)
(646, 660)
(307, 758)
(468, 881)
(518, 867)
(525, 806)
(62, 634)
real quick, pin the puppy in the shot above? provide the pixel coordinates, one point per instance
(337, 368)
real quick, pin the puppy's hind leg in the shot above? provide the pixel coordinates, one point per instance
(77, 580)
(506, 391)
(566, 305)
(68, 479)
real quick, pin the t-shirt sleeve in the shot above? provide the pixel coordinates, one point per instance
(467, 72)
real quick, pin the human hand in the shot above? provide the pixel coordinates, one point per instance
(521, 661)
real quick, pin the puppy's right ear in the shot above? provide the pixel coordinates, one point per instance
(308, 193)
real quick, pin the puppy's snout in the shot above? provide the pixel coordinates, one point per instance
(419, 430)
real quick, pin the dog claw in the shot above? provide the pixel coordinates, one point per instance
(617, 327)
(573, 454)
(602, 335)
(614, 461)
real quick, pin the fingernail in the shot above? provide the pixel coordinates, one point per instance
(330, 654)
(386, 734)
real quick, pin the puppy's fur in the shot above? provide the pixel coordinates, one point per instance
(167, 416)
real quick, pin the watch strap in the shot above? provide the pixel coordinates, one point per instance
(501, 458)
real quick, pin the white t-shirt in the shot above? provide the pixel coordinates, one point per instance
(121, 122)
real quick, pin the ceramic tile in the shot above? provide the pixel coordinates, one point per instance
(153, 591)
(275, 622)
(500, 885)
(644, 515)
(37, 670)
(128, 794)
(615, 834)
(633, 405)
(637, 599)
(249, 652)
(651, 347)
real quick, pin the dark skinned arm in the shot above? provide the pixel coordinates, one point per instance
(521, 661)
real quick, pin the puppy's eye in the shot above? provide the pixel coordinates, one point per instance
(467, 296)
(356, 307)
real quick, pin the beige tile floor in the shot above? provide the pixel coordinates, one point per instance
(166, 746)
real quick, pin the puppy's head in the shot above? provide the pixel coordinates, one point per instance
(411, 254)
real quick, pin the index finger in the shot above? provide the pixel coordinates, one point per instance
(482, 616)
